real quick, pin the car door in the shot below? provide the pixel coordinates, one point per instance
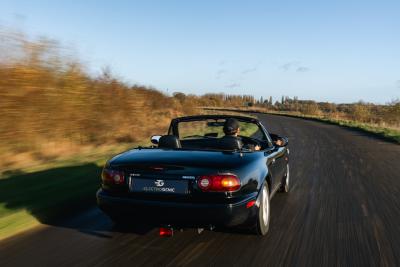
(275, 160)
(280, 162)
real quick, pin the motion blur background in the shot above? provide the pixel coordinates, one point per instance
(64, 105)
(52, 106)
(78, 75)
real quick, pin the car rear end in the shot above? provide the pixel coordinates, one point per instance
(179, 194)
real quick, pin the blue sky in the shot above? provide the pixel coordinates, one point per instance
(340, 51)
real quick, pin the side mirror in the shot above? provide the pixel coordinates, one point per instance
(155, 138)
(284, 141)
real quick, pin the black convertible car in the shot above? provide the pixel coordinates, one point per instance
(195, 177)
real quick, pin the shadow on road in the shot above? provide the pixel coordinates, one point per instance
(50, 194)
(56, 196)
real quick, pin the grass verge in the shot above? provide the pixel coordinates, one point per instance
(43, 194)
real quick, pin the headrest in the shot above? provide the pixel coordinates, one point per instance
(229, 142)
(169, 141)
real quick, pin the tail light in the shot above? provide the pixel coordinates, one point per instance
(219, 183)
(113, 176)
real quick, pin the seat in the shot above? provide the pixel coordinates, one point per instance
(169, 141)
(229, 142)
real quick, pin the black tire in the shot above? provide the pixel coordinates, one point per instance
(263, 215)
(285, 185)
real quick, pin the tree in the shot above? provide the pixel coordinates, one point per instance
(361, 112)
(310, 108)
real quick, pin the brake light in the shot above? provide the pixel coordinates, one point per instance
(113, 176)
(219, 183)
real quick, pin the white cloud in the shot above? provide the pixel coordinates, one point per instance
(233, 85)
(295, 66)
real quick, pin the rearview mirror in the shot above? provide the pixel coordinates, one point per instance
(155, 138)
(215, 123)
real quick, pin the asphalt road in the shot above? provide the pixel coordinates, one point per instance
(343, 210)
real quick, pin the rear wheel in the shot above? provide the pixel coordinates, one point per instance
(263, 216)
(285, 186)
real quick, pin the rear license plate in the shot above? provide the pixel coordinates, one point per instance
(158, 186)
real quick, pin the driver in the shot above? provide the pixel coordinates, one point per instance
(232, 128)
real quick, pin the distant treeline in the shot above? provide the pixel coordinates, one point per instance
(385, 115)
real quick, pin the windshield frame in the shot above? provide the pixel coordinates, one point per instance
(174, 130)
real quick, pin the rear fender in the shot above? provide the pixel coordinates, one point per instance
(267, 180)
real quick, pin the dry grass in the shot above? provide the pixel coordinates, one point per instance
(51, 107)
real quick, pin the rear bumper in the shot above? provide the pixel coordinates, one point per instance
(178, 213)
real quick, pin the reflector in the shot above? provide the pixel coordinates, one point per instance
(113, 176)
(166, 231)
(250, 203)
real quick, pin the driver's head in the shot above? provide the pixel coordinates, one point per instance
(231, 127)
